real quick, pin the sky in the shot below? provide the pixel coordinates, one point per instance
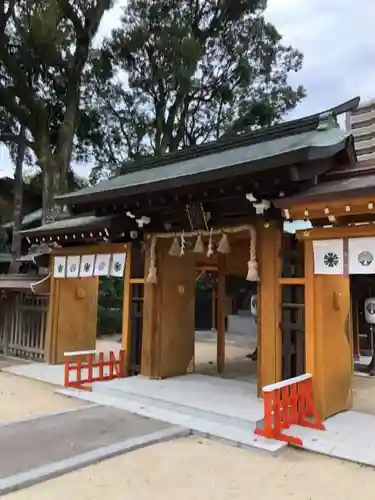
(335, 37)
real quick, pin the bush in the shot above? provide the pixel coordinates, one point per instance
(110, 302)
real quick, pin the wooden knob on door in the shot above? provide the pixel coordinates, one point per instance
(80, 292)
(337, 300)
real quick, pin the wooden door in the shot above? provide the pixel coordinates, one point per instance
(177, 315)
(334, 364)
(76, 318)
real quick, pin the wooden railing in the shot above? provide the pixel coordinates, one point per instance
(23, 318)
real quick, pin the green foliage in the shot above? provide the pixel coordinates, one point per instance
(74, 182)
(183, 72)
(110, 306)
(44, 47)
(5, 244)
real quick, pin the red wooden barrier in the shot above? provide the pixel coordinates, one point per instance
(289, 403)
(83, 367)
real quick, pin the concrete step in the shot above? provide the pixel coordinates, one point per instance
(243, 324)
(238, 436)
(243, 312)
(241, 423)
(218, 396)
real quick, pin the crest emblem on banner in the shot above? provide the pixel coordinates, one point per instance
(331, 259)
(361, 255)
(328, 256)
(365, 258)
(59, 267)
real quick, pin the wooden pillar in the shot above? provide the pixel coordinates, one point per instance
(126, 303)
(310, 350)
(150, 332)
(52, 317)
(269, 337)
(213, 307)
(220, 343)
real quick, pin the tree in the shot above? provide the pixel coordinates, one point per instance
(73, 181)
(44, 47)
(18, 200)
(182, 72)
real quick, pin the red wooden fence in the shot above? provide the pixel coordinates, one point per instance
(86, 367)
(289, 403)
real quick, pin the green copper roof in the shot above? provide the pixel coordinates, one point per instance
(251, 158)
(312, 137)
(70, 225)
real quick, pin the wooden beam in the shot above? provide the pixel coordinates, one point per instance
(292, 281)
(137, 281)
(321, 233)
(90, 249)
(315, 209)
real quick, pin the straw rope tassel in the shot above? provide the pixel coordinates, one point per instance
(252, 265)
(152, 271)
(182, 245)
(210, 250)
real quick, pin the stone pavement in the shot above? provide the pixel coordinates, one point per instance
(44, 447)
(6, 362)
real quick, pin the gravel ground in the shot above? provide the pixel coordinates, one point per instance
(21, 398)
(207, 470)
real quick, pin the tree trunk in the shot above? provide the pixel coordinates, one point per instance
(18, 202)
(54, 183)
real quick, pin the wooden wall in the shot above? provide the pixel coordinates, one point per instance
(332, 372)
(72, 317)
(328, 333)
(72, 313)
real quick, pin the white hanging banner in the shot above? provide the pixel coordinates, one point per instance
(102, 263)
(87, 266)
(72, 266)
(59, 267)
(118, 265)
(361, 255)
(328, 256)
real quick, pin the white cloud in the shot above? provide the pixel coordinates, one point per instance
(335, 37)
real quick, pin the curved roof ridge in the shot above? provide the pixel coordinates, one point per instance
(291, 127)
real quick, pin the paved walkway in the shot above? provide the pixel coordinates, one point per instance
(210, 406)
(35, 450)
(225, 409)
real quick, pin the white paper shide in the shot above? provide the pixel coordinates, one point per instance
(102, 263)
(59, 267)
(72, 266)
(118, 265)
(361, 255)
(87, 266)
(328, 256)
